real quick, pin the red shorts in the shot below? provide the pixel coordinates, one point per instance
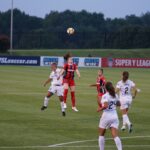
(70, 82)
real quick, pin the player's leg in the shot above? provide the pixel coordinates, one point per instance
(65, 94)
(60, 95)
(117, 140)
(46, 100)
(124, 110)
(73, 99)
(126, 120)
(101, 139)
(62, 105)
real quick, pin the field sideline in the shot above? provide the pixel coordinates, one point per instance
(23, 125)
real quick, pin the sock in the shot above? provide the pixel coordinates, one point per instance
(65, 95)
(73, 98)
(101, 142)
(46, 100)
(62, 106)
(126, 119)
(118, 143)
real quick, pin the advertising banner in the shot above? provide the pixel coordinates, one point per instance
(80, 61)
(126, 62)
(20, 60)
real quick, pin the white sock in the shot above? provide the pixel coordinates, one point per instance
(62, 106)
(46, 100)
(126, 119)
(101, 142)
(118, 143)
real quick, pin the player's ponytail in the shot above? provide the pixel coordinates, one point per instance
(125, 76)
(111, 90)
(67, 56)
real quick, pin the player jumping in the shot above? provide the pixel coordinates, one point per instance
(124, 88)
(100, 84)
(56, 87)
(68, 79)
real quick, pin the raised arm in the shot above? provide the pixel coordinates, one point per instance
(93, 85)
(61, 72)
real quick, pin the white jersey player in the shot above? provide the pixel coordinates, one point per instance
(109, 118)
(55, 88)
(124, 88)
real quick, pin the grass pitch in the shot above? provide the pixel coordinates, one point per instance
(23, 125)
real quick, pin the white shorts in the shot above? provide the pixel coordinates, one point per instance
(125, 102)
(109, 121)
(58, 90)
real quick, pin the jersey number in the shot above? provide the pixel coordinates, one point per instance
(111, 104)
(126, 90)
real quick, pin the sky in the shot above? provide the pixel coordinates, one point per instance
(110, 8)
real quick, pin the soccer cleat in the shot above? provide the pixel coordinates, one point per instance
(130, 128)
(43, 108)
(65, 105)
(63, 113)
(123, 128)
(75, 109)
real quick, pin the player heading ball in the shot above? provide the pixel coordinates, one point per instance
(68, 79)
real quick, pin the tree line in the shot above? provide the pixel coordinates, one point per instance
(92, 30)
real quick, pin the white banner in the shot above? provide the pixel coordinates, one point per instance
(80, 61)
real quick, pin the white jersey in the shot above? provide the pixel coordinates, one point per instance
(109, 117)
(112, 101)
(54, 76)
(125, 88)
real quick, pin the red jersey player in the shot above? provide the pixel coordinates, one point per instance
(68, 80)
(100, 84)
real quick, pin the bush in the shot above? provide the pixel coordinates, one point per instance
(4, 43)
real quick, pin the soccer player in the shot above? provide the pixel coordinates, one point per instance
(109, 118)
(125, 88)
(56, 87)
(68, 80)
(100, 84)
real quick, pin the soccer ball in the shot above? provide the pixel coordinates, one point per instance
(70, 31)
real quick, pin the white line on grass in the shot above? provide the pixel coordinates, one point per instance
(61, 145)
(75, 142)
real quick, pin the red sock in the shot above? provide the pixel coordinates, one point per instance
(73, 99)
(65, 95)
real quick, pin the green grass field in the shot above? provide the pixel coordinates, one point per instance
(122, 53)
(23, 125)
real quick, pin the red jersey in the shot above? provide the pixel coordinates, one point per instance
(69, 71)
(101, 85)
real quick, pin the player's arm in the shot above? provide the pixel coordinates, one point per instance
(93, 85)
(134, 92)
(61, 72)
(117, 90)
(78, 73)
(105, 106)
(47, 81)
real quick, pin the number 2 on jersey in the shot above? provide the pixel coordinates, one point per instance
(111, 104)
(126, 90)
